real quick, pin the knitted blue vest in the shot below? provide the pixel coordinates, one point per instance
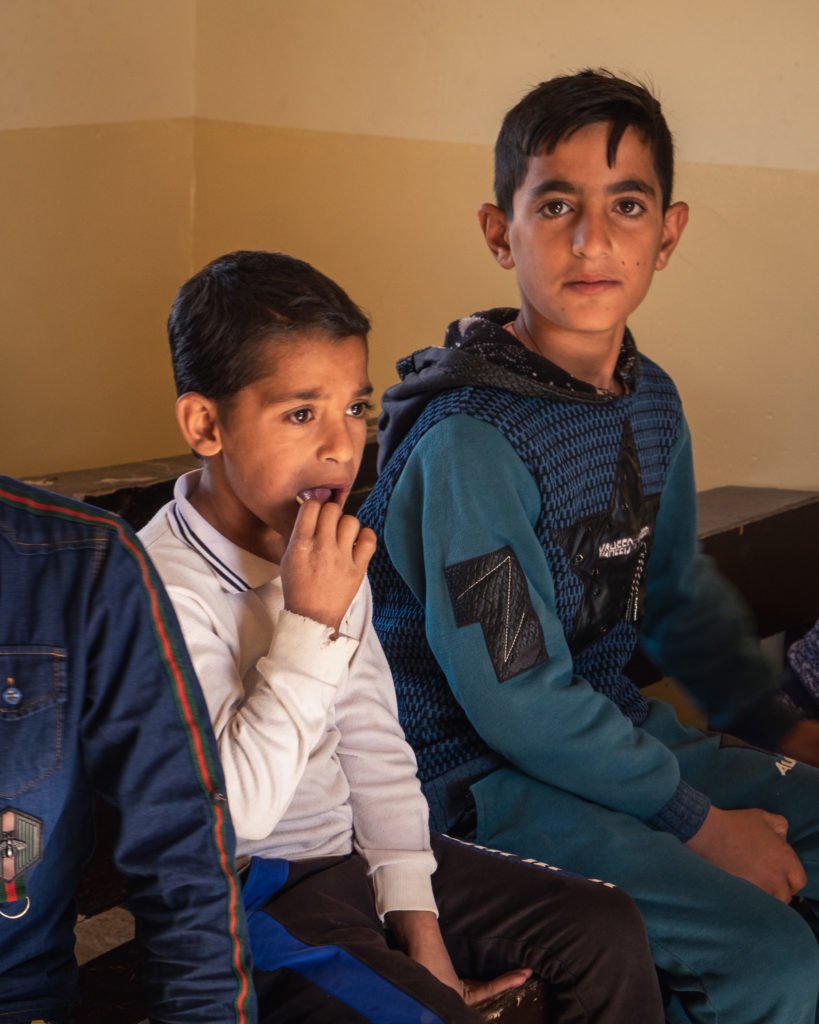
(571, 450)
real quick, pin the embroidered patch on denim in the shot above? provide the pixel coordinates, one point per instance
(492, 591)
(21, 847)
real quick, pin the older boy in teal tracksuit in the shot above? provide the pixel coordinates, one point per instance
(536, 518)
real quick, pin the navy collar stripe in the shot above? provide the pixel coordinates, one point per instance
(218, 566)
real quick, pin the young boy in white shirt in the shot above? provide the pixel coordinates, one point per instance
(268, 578)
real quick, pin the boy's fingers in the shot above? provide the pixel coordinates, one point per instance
(328, 516)
(364, 547)
(476, 992)
(348, 530)
(778, 824)
(797, 880)
(306, 518)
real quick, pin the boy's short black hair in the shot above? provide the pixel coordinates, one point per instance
(222, 314)
(556, 109)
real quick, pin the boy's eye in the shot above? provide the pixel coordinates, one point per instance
(360, 409)
(300, 415)
(630, 207)
(555, 208)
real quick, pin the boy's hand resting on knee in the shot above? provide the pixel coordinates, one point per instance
(751, 844)
(419, 936)
(325, 561)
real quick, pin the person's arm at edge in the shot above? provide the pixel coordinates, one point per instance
(149, 749)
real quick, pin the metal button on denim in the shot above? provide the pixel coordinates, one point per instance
(12, 696)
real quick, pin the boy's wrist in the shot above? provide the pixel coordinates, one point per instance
(320, 628)
(684, 814)
(315, 615)
(414, 930)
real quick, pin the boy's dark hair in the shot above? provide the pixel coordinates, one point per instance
(221, 316)
(555, 110)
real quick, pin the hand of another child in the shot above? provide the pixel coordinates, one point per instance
(751, 844)
(325, 561)
(802, 742)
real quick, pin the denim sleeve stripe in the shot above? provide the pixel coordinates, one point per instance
(182, 686)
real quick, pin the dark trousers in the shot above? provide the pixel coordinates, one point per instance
(323, 957)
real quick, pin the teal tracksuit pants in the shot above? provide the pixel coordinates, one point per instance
(731, 953)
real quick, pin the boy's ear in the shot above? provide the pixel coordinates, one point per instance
(198, 421)
(495, 226)
(676, 217)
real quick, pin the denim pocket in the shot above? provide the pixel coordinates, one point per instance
(32, 706)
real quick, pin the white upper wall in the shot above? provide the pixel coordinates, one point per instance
(739, 79)
(71, 62)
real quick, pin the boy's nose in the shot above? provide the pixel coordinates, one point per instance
(337, 444)
(591, 237)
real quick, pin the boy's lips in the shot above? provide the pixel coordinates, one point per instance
(592, 285)
(323, 494)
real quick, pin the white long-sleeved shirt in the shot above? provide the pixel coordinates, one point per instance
(314, 759)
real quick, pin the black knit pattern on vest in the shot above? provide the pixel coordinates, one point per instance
(571, 450)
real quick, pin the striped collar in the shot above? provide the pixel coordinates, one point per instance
(236, 569)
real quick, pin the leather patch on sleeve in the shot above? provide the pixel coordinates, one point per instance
(492, 591)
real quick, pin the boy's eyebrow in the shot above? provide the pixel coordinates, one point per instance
(631, 185)
(615, 188)
(553, 185)
(311, 395)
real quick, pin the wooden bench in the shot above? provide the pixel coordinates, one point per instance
(766, 541)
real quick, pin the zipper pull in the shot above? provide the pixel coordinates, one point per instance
(633, 603)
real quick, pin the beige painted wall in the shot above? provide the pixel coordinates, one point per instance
(358, 135)
(69, 62)
(96, 173)
(735, 320)
(96, 230)
(449, 69)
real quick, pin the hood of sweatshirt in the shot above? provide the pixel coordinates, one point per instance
(479, 351)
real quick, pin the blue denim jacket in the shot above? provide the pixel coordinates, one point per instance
(97, 696)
